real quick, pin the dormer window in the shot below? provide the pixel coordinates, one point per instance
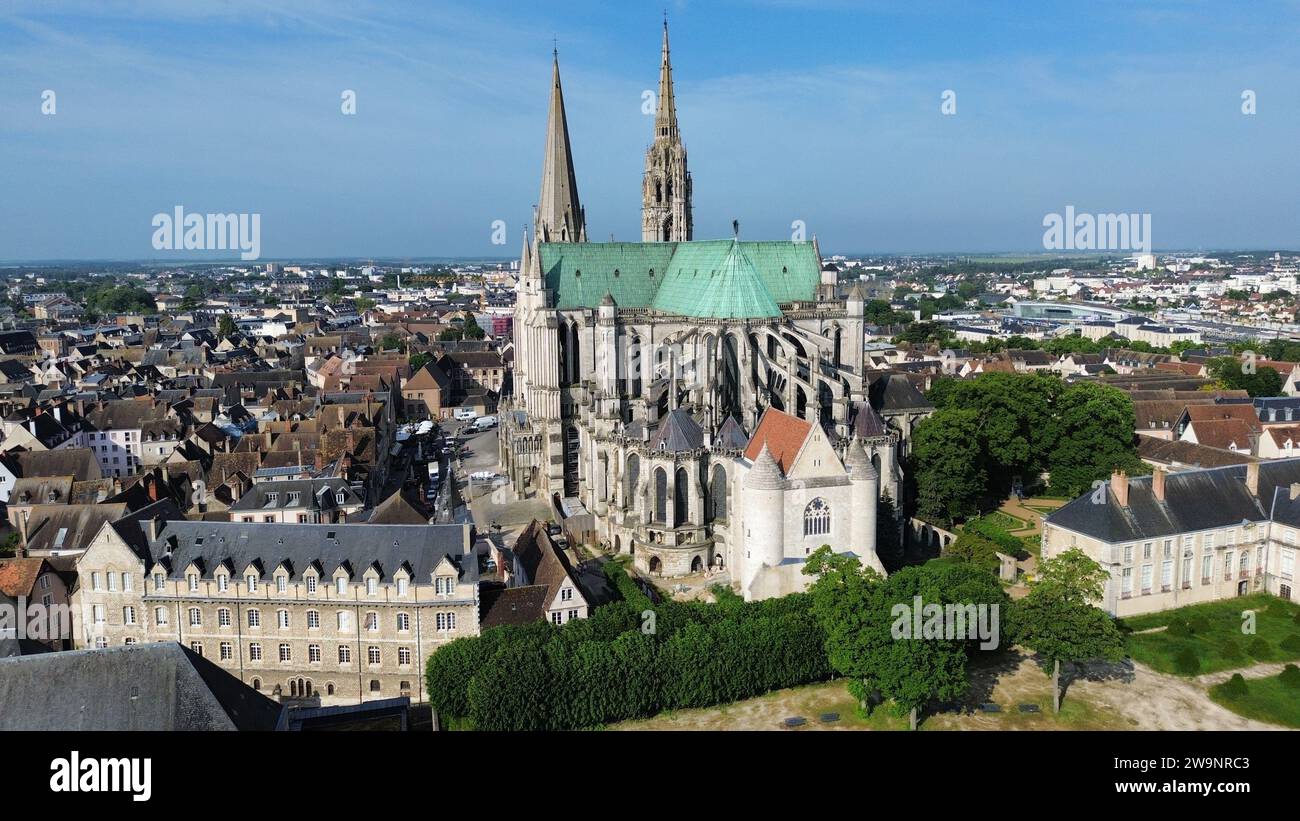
(193, 579)
(223, 583)
(281, 583)
(251, 582)
(339, 497)
(342, 585)
(372, 586)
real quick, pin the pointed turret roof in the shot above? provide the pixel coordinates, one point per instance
(731, 435)
(858, 463)
(678, 433)
(766, 473)
(666, 114)
(559, 213)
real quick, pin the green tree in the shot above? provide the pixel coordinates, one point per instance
(1230, 374)
(951, 476)
(418, 361)
(1057, 620)
(225, 325)
(1093, 437)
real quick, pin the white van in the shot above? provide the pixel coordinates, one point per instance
(485, 422)
(463, 414)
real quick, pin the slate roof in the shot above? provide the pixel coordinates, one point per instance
(397, 509)
(867, 424)
(1178, 452)
(892, 392)
(160, 686)
(79, 463)
(354, 547)
(313, 494)
(512, 605)
(1194, 500)
(731, 435)
(677, 432)
(542, 561)
(69, 527)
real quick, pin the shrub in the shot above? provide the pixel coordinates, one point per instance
(1186, 662)
(1231, 650)
(1290, 677)
(1234, 687)
(1291, 643)
(1180, 629)
(1260, 649)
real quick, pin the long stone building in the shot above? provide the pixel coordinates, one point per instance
(644, 370)
(343, 613)
(1173, 539)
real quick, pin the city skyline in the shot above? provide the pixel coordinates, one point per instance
(816, 112)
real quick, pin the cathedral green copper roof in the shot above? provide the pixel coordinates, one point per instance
(713, 278)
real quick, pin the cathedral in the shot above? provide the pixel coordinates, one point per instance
(705, 401)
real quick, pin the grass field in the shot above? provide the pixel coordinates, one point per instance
(1267, 699)
(1207, 638)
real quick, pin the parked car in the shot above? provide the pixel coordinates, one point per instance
(485, 422)
(465, 414)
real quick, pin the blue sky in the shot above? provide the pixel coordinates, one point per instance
(814, 110)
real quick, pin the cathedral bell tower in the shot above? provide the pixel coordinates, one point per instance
(666, 186)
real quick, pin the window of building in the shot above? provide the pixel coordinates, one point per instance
(223, 617)
(281, 584)
(404, 656)
(572, 614)
(342, 585)
(372, 654)
(100, 642)
(1146, 579)
(128, 615)
(566, 594)
(311, 584)
(401, 586)
(1288, 563)
(313, 619)
(372, 586)
(223, 583)
(313, 653)
(226, 651)
(345, 654)
(196, 617)
(197, 647)
(345, 621)
(403, 622)
(1128, 554)
(254, 617)
(255, 651)
(194, 582)
(160, 616)
(126, 582)
(250, 581)
(817, 518)
(445, 621)
(286, 654)
(1126, 582)
(159, 580)
(1207, 567)
(557, 617)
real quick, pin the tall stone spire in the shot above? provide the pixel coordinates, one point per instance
(666, 186)
(559, 217)
(666, 113)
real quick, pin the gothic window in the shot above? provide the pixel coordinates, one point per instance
(681, 498)
(661, 495)
(718, 492)
(817, 518)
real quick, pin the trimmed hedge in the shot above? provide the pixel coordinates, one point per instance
(607, 668)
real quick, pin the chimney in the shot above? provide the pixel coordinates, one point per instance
(1158, 484)
(155, 527)
(151, 484)
(1252, 478)
(1295, 491)
(1119, 487)
(22, 526)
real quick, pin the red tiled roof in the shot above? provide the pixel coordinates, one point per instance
(18, 576)
(782, 433)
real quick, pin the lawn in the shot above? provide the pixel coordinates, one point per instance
(1266, 699)
(1207, 638)
(1005, 521)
